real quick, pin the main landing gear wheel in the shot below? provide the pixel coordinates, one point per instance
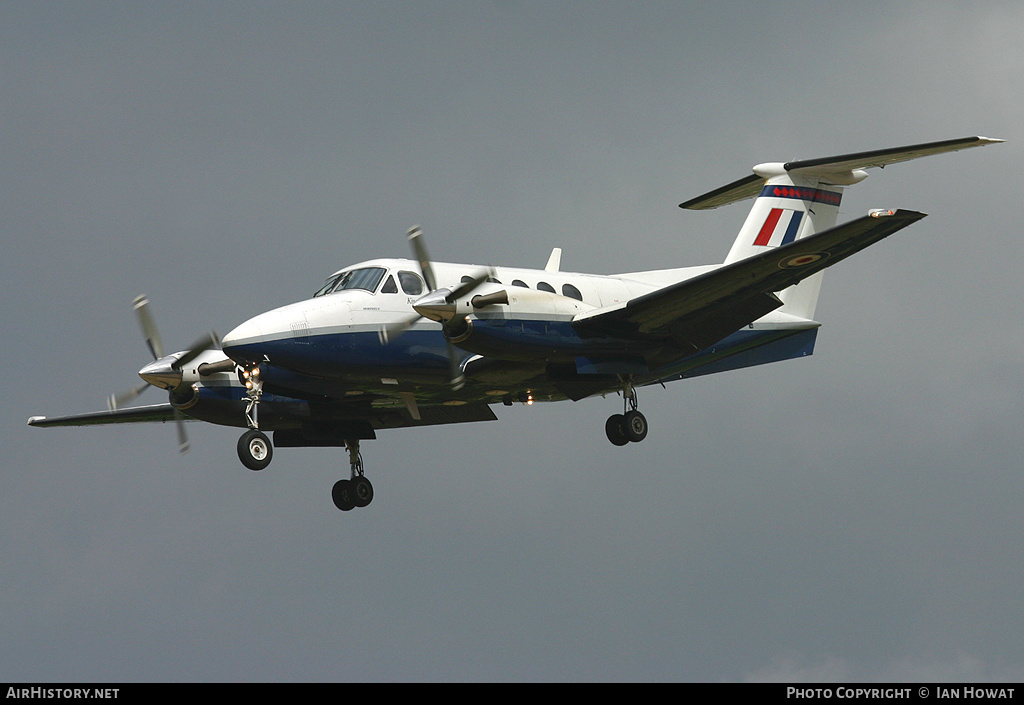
(342, 495)
(255, 450)
(615, 428)
(629, 426)
(635, 426)
(361, 491)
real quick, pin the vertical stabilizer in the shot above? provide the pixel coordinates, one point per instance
(788, 208)
(796, 199)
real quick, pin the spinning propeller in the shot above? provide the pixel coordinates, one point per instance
(165, 370)
(437, 304)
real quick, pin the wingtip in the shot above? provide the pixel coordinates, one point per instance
(35, 420)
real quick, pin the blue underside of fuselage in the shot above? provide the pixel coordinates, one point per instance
(421, 356)
(352, 354)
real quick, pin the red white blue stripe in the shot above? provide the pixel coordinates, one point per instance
(780, 228)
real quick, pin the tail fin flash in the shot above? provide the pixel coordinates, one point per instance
(796, 199)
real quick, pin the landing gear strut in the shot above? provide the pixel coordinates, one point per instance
(356, 491)
(629, 426)
(254, 448)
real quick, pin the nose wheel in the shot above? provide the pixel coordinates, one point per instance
(629, 426)
(255, 450)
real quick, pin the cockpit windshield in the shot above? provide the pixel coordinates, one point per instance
(366, 278)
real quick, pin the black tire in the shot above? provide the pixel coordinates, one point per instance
(342, 495)
(255, 450)
(361, 491)
(635, 426)
(615, 429)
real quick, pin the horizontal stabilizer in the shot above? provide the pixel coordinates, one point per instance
(698, 312)
(841, 165)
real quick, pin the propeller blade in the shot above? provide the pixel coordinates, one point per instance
(162, 368)
(390, 331)
(419, 249)
(210, 340)
(467, 288)
(114, 401)
(179, 421)
(148, 325)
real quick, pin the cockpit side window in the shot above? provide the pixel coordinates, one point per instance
(389, 286)
(328, 286)
(366, 278)
(411, 283)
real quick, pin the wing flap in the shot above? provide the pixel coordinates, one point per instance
(700, 311)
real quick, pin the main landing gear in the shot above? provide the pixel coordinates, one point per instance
(357, 491)
(256, 451)
(629, 426)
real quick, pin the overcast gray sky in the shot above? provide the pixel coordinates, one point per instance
(853, 515)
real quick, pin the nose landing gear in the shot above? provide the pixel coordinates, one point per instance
(254, 448)
(629, 426)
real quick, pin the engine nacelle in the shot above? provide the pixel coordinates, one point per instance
(533, 325)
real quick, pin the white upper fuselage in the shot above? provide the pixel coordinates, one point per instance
(537, 293)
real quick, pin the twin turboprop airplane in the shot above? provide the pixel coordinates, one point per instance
(392, 343)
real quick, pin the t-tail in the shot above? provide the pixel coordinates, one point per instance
(793, 200)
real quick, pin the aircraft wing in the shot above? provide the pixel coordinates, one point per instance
(699, 312)
(137, 414)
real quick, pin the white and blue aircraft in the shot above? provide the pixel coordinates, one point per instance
(392, 343)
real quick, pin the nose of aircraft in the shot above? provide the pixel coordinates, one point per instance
(248, 332)
(238, 344)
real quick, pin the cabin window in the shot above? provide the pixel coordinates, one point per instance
(492, 280)
(519, 282)
(411, 283)
(389, 286)
(572, 292)
(544, 286)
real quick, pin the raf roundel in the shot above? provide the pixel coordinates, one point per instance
(802, 260)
